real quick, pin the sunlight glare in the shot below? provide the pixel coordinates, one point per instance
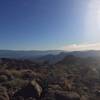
(92, 20)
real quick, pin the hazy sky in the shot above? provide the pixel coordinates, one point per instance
(49, 24)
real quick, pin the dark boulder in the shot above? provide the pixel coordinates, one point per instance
(33, 90)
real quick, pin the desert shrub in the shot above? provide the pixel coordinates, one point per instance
(61, 95)
(27, 75)
(16, 73)
(3, 94)
(3, 78)
(15, 84)
(7, 73)
(55, 87)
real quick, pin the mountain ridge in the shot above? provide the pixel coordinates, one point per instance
(49, 55)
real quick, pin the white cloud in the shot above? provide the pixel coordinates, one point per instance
(82, 47)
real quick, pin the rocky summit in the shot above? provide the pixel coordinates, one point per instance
(73, 78)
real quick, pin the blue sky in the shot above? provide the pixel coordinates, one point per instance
(44, 24)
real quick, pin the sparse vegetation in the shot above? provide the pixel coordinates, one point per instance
(73, 78)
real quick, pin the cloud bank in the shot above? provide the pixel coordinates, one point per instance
(82, 47)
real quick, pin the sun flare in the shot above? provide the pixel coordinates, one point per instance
(92, 21)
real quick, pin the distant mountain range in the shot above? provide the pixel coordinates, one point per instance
(84, 54)
(50, 55)
(26, 54)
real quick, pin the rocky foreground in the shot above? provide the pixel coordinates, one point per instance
(73, 78)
